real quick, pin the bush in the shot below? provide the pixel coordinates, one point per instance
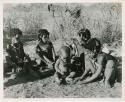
(65, 20)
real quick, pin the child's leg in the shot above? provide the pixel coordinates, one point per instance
(109, 71)
(10, 64)
(82, 60)
(85, 65)
(26, 67)
(58, 78)
(92, 66)
(85, 72)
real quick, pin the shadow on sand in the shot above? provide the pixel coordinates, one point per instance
(24, 78)
(119, 69)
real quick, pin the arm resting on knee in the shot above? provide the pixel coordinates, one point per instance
(94, 76)
(99, 65)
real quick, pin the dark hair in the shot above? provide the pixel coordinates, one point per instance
(94, 45)
(15, 31)
(85, 32)
(42, 32)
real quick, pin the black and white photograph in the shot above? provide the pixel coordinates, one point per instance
(62, 50)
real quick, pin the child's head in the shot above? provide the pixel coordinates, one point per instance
(84, 35)
(43, 35)
(65, 54)
(16, 32)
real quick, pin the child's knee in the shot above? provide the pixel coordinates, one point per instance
(38, 61)
(110, 70)
(93, 70)
(72, 74)
(57, 78)
(110, 65)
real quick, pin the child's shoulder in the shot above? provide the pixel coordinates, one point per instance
(106, 56)
(58, 61)
(50, 44)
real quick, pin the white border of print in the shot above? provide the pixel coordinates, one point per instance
(62, 99)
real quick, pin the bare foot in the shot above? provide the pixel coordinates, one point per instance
(59, 82)
(107, 84)
(81, 78)
(69, 80)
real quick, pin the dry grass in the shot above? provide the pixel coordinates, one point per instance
(47, 88)
(103, 20)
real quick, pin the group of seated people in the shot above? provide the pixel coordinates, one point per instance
(83, 57)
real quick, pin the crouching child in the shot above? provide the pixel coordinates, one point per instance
(106, 65)
(64, 70)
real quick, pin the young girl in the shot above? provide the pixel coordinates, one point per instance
(80, 44)
(45, 49)
(106, 65)
(78, 48)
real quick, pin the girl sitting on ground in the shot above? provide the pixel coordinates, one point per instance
(45, 50)
(16, 58)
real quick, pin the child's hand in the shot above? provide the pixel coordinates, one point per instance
(17, 57)
(18, 69)
(25, 59)
(72, 61)
(62, 73)
(69, 80)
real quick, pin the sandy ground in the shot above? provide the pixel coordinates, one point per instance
(27, 86)
(42, 88)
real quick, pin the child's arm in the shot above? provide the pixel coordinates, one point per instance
(98, 71)
(57, 66)
(74, 49)
(25, 56)
(54, 54)
(38, 51)
(47, 60)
